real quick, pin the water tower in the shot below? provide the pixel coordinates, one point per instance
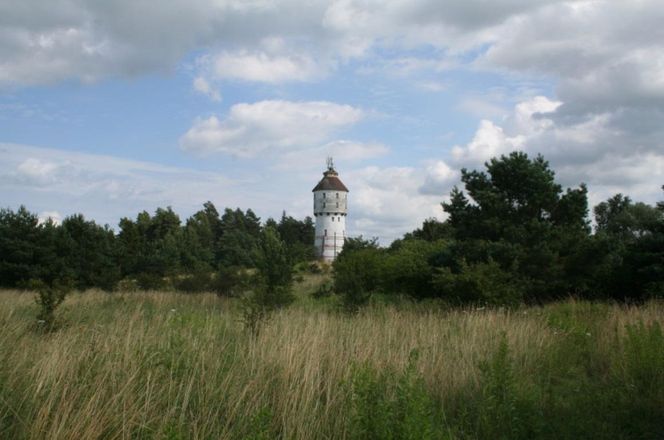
(330, 209)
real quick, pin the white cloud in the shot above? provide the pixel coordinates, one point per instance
(439, 179)
(251, 129)
(384, 201)
(260, 66)
(489, 141)
(53, 216)
(104, 188)
(387, 202)
(36, 170)
(203, 86)
(589, 151)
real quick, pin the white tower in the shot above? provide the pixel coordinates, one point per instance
(330, 208)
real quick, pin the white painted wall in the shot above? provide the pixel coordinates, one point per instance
(330, 209)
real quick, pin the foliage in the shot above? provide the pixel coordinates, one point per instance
(298, 236)
(272, 283)
(528, 224)
(230, 281)
(407, 269)
(513, 234)
(478, 283)
(392, 404)
(633, 238)
(152, 251)
(48, 298)
(358, 274)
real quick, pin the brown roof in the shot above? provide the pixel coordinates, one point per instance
(330, 181)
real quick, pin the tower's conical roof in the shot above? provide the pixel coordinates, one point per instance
(330, 180)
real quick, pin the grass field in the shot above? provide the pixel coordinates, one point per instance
(167, 365)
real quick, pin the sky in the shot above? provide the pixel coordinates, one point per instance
(111, 108)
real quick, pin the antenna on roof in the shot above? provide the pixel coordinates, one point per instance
(330, 163)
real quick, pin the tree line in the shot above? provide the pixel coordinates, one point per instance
(152, 251)
(513, 235)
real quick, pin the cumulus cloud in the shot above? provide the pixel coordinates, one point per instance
(264, 67)
(203, 86)
(64, 39)
(439, 179)
(591, 150)
(387, 202)
(276, 125)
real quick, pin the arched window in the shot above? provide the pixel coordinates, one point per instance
(326, 232)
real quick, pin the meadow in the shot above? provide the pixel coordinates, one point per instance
(145, 365)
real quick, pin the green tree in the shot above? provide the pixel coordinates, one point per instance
(358, 274)
(91, 253)
(19, 253)
(273, 281)
(298, 236)
(517, 215)
(632, 235)
(239, 238)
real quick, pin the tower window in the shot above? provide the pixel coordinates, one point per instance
(324, 195)
(326, 232)
(337, 195)
(323, 204)
(337, 204)
(332, 218)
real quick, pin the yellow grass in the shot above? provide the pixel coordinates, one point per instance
(167, 365)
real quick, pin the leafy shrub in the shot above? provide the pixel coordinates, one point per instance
(357, 275)
(230, 281)
(273, 281)
(407, 269)
(150, 281)
(48, 298)
(323, 291)
(200, 281)
(484, 283)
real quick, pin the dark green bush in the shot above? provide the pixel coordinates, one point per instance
(483, 283)
(357, 275)
(49, 297)
(197, 282)
(150, 281)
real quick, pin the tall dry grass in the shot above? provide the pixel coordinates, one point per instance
(167, 365)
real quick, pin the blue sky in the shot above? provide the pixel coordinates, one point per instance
(109, 109)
